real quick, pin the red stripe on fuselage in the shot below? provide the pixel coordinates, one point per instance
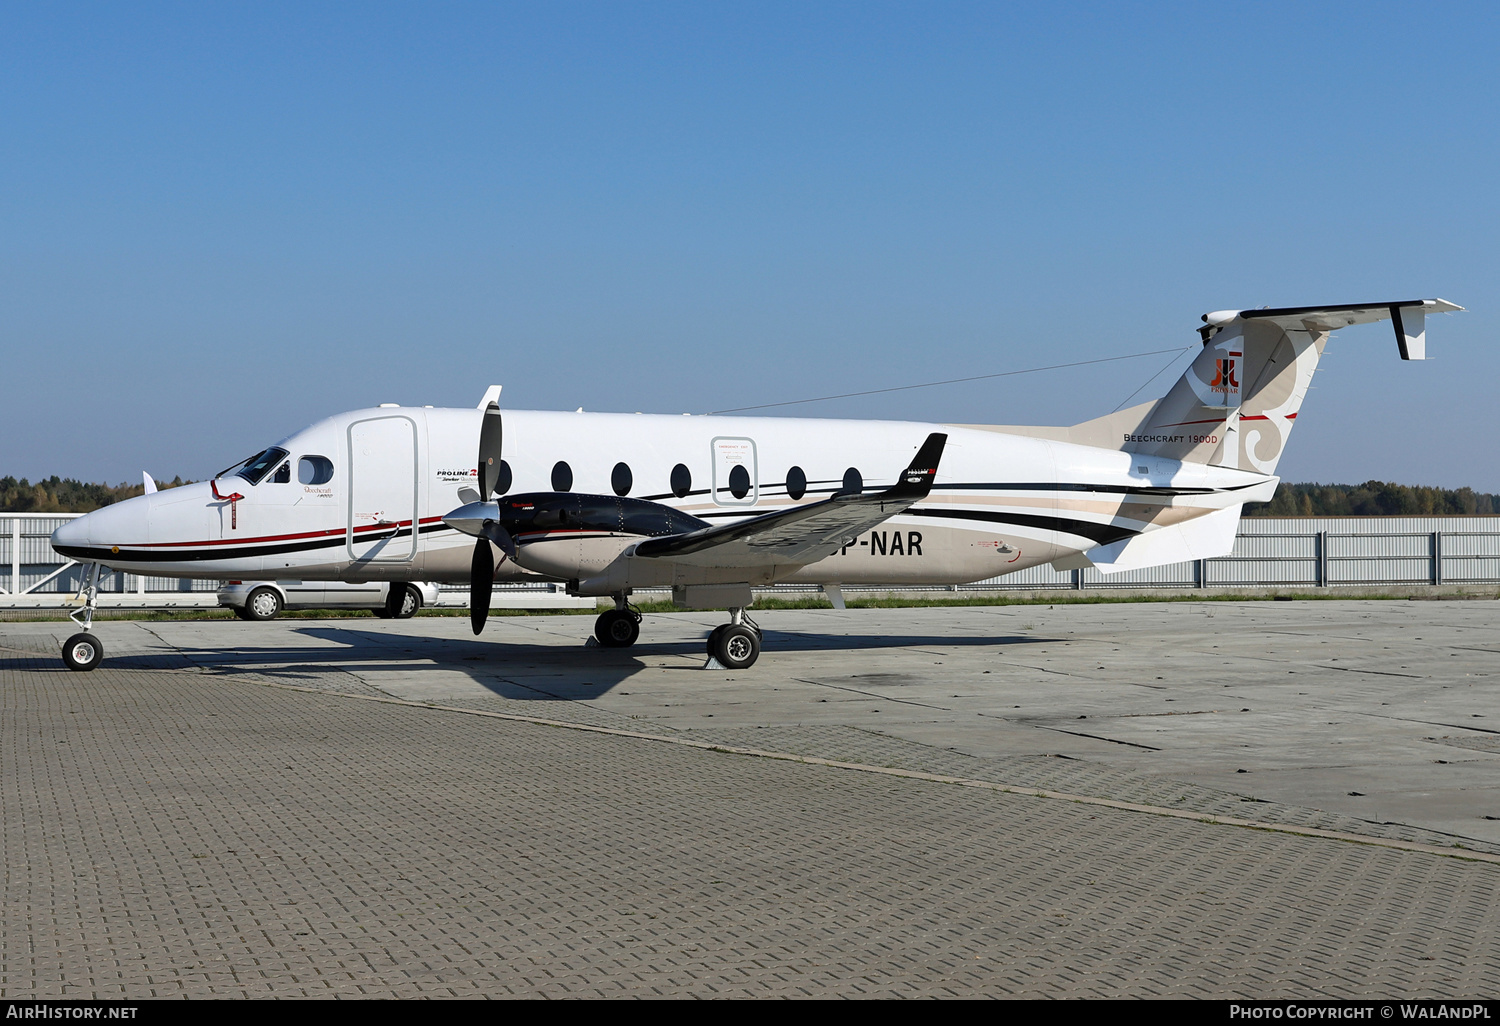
(331, 532)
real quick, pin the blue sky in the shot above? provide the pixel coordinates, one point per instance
(219, 223)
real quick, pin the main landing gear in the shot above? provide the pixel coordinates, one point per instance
(83, 651)
(618, 627)
(731, 646)
(734, 645)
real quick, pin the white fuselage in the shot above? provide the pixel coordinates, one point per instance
(1001, 502)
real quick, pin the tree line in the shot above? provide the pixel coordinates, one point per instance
(65, 495)
(1371, 499)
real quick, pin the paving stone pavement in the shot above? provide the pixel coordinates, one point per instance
(170, 831)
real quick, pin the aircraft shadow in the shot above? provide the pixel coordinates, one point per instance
(504, 666)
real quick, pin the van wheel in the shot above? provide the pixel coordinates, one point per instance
(403, 602)
(263, 604)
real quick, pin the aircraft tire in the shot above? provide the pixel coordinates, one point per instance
(262, 604)
(737, 646)
(713, 638)
(82, 652)
(616, 628)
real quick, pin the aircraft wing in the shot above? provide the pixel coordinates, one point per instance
(802, 534)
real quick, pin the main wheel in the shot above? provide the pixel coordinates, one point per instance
(737, 647)
(617, 629)
(713, 637)
(263, 604)
(82, 652)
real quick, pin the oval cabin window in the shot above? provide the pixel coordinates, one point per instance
(621, 479)
(314, 470)
(503, 479)
(796, 483)
(854, 482)
(739, 482)
(682, 480)
(562, 477)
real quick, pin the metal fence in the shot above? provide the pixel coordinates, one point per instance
(1281, 552)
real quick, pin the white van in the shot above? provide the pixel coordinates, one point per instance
(263, 600)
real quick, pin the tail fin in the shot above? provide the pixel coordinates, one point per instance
(1238, 400)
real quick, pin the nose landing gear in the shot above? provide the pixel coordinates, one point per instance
(734, 645)
(83, 651)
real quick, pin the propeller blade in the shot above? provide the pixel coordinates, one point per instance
(501, 537)
(481, 583)
(489, 451)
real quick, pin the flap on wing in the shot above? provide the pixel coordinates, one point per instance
(803, 534)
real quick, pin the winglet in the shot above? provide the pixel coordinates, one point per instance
(916, 480)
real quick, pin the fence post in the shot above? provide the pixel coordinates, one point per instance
(1437, 557)
(1077, 579)
(1322, 559)
(15, 555)
(1202, 572)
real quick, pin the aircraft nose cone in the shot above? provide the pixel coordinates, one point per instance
(72, 534)
(93, 535)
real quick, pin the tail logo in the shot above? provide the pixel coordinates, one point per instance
(1225, 380)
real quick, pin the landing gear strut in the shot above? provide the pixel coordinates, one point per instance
(618, 627)
(83, 651)
(736, 644)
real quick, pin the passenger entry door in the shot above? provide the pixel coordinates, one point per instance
(383, 489)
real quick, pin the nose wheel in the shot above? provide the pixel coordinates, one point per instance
(82, 652)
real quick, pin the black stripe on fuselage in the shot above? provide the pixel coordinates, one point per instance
(92, 554)
(1100, 534)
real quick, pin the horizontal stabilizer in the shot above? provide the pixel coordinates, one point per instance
(1407, 316)
(1204, 537)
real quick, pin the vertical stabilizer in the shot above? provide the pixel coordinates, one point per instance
(1238, 401)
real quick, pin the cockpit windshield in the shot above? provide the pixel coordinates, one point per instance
(258, 466)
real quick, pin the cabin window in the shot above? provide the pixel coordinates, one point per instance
(682, 480)
(314, 470)
(562, 477)
(503, 479)
(621, 479)
(854, 482)
(796, 483)
(283, 473)
(739, 481)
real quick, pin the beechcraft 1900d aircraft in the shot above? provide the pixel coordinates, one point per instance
(712, 506)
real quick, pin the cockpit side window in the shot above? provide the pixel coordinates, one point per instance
(314, 470)
(257, 467)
